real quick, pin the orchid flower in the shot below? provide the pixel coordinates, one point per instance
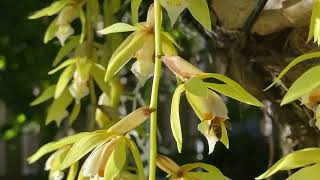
(60, 27)
(73, 83)
(209, 107)
(108, 148)
(140, 44)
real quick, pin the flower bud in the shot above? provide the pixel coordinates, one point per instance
(150, 17)
(180, 67)
(167, 165)
(131, 121)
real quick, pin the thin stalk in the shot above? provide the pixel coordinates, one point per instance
(155, 91)
(93, 97)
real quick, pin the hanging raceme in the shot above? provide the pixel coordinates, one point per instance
(108, 157)
(208, 106)
(80, 68)
(60, 27)
(140, 44)
(176, 172)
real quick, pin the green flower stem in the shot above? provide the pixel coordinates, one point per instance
(93, 99)
(155, 91)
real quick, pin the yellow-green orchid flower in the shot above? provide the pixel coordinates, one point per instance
(73, 83)
(60, 27)
(184, 172)
(208, 106)
(140, 44)
(109, 148)
(212, 112)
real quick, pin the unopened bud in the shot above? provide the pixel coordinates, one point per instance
(131, 121)
(167, 165)
(180, 67)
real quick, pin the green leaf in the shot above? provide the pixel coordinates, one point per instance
(310, 173)
(118, 27)
(175, 116)
(66, 49)
(98, 72)
(200, 11)
(64, 79)
(116, 161)
(294, 160)
(83, 146)
(294, 62)
(47, 94)
(62, 65)
(303, 85)
(75, 113)
(124, 53)
(197, 87)
(224, 137)
(57, 111)
(135, 4)
(83, 26)
(233, 93)
(247, 98)
(73, 171)
(52, 146)
(136, 155)
(51, 31)
(54, 8)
